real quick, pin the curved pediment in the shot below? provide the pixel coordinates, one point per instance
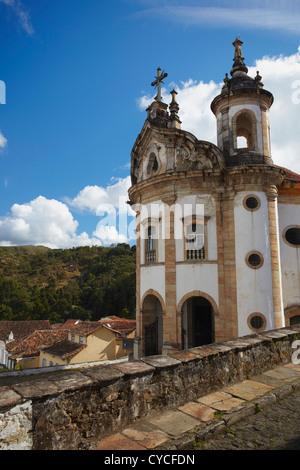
(158, 151)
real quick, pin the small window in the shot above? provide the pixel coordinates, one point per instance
(81, 339)
(44, 363)
(151, 245)
(72, 337)
(257, 322)
(254, 260)
(292, 236)
(251, 202)
(51, 364)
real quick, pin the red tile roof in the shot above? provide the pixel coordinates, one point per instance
(30, 346)
(69, 323)
(21, 329)
(64, 349)
(82, 327)
(290, 175)
(120, 325)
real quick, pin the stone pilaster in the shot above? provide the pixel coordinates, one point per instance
(226, 324)
(275, 258)
(138, 343)
(170, 333)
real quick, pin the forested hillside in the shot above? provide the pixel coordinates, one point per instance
(83, 283)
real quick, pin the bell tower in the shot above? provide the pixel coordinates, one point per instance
(242, 112)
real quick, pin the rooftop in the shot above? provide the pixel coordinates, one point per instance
(30, 346)
(21, 329)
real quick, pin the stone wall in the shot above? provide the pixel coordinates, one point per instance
(72, 410)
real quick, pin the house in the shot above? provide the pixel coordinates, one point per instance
(25, 352)
(12, 336)
(85, 342)
(126, 329)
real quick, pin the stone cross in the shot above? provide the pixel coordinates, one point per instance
(158, 82)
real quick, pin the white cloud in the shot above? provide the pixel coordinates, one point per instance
(110, 204)
(275, 15)
(42, 222)
(51, 223)
(3, 141)
(109, 235)
(21, 13)
(281, 76)
(96, 198)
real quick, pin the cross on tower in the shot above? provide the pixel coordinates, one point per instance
(158, 82)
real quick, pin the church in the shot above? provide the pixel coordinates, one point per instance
(218, 226)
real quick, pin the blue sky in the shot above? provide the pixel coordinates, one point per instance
(78, 75)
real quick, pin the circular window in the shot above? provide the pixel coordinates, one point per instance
(251, 202)
(254, 260)
(257, 322)
(292, 236)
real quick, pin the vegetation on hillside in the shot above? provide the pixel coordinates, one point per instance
(85, 283)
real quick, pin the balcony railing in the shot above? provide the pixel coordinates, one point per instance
(151, 256)
(195, 254)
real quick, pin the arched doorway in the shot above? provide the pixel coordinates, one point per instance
(152, 325)
(295, 320)
(197, 322)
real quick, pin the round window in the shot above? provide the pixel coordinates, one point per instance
(254, 260)
(256, 322)
(292, 236)
(251, 202)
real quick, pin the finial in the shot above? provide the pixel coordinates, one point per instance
(239, 65)
(258, 81)
(174, 109)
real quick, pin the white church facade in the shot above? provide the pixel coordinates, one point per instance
(218, 226)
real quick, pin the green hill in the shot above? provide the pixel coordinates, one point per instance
(85, 282)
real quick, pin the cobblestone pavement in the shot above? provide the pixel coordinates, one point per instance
(274, 428)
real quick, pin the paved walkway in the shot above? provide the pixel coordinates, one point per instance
(198, 424)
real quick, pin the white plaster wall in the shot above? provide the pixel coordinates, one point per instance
(152, 277)
(257, 112)
(200, 276)
(254, 286)
(289, 215)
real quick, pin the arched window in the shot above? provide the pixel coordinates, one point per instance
(150, 252)
(152, 164)
(244, 129)
(44, 363)
(194, 241)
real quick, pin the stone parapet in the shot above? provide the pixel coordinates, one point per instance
(73, 410)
